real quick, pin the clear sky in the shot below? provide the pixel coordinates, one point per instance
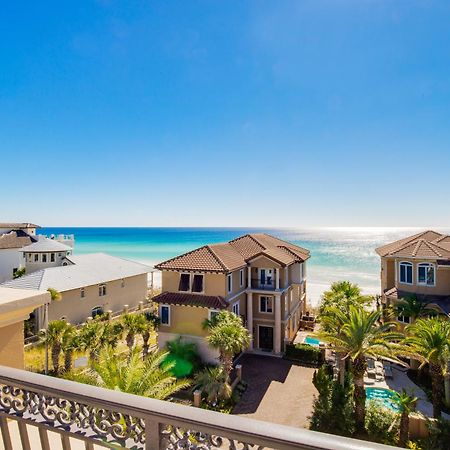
(225, 113)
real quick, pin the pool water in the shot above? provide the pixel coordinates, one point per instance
(383, 396)
(311, 341)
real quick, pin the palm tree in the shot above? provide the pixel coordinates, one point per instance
(90, 338)
(133, 324)
(54, 337)
(428, 340)
(361, 335)
(54, 294)
(228, 335)
(343, 294)
(215, 383)
(69, 343)
(129, 373)
(413, 308)
(406, 405)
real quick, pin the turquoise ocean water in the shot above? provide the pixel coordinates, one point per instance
(336, 253)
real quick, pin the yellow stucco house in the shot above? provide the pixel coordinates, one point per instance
(417, 265)
(257, 276)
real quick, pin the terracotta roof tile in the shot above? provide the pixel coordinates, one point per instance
(187, 299)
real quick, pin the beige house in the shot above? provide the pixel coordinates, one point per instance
(15, 307)
(418, 265)
(89, 284)
(257, 276)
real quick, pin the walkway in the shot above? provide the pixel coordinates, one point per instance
(278, 391)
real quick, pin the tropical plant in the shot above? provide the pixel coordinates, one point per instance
(69, 344)
(361, 335)
(133, 324)
(381, 423)
(228, 335)
(90, 338)
(19, 273)
(131, 374)
(428, 340)
(406, 404)
(54, 337)
(54, 294)
(214, 382)
(414, 308)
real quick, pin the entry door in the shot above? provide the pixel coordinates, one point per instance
(266, 338)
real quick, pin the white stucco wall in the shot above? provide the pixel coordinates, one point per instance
(10, 258)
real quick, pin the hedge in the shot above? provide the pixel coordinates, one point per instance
(305, 354)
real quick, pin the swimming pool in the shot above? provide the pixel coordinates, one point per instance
(383, 396)
(311, 341)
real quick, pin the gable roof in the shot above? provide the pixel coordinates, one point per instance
(85, 270)
(46, 245)
(187, 299)
(427, 244)
(15, 239)
(230, 256)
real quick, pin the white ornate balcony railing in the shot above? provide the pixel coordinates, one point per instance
(40, 407)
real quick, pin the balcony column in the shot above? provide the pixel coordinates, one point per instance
(250, 317)
(277, 344)
(277, 279)
(249, 277)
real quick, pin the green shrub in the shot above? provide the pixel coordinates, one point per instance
(382, 424)
(438, 436)
(185, 355)
(304, 353)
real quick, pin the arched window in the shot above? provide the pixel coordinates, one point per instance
(425, 274)
(97, 311)
(405, 273)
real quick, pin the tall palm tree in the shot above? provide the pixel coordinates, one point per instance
(406, 405)
(215, 383)
(54, 294)
(69, 343)
(413, 308)
(228, 335)
(361, 335)
(133, 324)
(343, 294)
(54, 337)
(90, 338)
(428, 340)
(129, 373)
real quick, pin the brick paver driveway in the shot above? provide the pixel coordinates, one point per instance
(278, 391)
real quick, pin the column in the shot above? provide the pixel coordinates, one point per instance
(277, 279)
(250, 317)
(277, 343)
(249, 277)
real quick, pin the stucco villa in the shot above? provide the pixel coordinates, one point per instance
(418, 265)
(89, 284)
(257, 276)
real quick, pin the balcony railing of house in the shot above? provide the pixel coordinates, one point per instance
(42, 410)
(268, 284)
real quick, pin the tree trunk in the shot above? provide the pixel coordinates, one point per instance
(227, 362)
(437, 380)
(358, 369)
(145, 346)
(56, 350)
(341, 367)
(130, 340)
(68, 360)
(404, 429)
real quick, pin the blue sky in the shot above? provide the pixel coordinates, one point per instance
(225, 113)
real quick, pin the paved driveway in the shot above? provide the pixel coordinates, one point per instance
(278, 391)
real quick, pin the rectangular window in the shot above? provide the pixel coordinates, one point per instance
(36, 257)
(403, 319)
(44, 257)
(102, 290)
(241, 277)
(265, 304)
(406, 273)
(52, 257)
(197, 283)
(185, 281)
(164, 311)
(229, 282)
(213, 313)
(425, 274)
(82, 293)
(235, 308)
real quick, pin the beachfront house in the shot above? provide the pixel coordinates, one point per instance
(418, 266)
(257, 276)
(89, 284)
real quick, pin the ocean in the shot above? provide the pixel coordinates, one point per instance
(336, 253)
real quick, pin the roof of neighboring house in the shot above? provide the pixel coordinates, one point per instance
(443, 301)
(18, 225)
(427, 244)
(17, 299)
(229, 256)
(85, 270)
(186, 299)
(15, 239)
(46, 245)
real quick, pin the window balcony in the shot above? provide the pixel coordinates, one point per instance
(51, 412)
(268, 284)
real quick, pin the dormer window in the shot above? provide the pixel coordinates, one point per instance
(197, 283)
(406, 272)
(425, 274)
(185, 281)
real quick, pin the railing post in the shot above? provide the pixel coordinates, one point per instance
(152, 434)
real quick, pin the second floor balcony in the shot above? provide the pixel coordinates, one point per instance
(267, 284)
